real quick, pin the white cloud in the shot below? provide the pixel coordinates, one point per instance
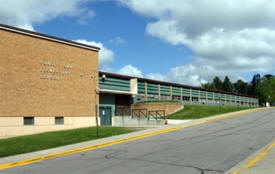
(84, 19)
(26, 13)
(156, 76)
(130, 71)
(106, 56)
(227, 37)
(117, 41)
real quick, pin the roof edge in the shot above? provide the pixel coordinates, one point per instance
(170, 83)
(47, 37)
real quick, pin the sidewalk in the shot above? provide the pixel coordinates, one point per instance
(261, 162)
(265, 166)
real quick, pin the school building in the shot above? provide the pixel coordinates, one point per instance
(48, 83)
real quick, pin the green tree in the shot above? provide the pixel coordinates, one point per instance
(267, 76)
(208, 86)
(227, 85)
(255, 81)
(218, 83)
(241, 87)
(265, 90)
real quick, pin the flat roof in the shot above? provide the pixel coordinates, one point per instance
(47, 37)
(168, 83)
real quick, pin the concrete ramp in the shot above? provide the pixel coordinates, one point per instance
(129, 121)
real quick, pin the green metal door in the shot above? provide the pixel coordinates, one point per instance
(105, 116)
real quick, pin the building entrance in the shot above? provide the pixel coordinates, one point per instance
(105, 116)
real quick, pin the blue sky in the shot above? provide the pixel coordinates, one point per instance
(113, 20)
(172, 40)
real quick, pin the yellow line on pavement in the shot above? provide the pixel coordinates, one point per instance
(256, 159)
(92, 147)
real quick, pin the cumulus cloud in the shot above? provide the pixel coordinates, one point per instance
(130, 71)
(227, 37)
(26, 13)
(117, 41)
(156, 76)
(106, 56)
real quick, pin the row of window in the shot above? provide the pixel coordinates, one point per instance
(141, 97)
(31, 121)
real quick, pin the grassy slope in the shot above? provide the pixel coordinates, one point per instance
(196, 111)
(30, 143)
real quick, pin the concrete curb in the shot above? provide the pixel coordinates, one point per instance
(262, 155)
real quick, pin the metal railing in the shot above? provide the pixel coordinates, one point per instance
(123, 111)
(140, 113)
(157, 114)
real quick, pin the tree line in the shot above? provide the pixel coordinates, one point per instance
(261, 87)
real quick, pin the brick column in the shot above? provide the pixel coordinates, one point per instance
(171, 92)
(159, 92)
(213, 99)
(190, 96)
(206, 93)
(220, 98)
(145, 86)
(199, 96)
(181, 94)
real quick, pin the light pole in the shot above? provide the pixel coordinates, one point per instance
(220, 104)
(97, 103)
(96, 109)
(95, 77)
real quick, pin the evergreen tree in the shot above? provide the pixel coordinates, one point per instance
(218, 83)
(255, 81)
(227, 85)
(241, 87)
(208, 86)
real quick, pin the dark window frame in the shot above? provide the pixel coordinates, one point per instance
(59, 120)
(28, 121)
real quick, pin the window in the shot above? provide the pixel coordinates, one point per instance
(152, 97)
(175, 97)
(140, 97)
(165, 97)
(28, 121)
(186, 98)
(59, 120)
(195, 99)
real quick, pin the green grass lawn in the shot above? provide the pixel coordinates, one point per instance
(198, 111)
(30, 143)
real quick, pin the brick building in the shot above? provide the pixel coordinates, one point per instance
(45, 82)
(49, 83)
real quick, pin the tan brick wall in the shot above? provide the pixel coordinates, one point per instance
(43, 78)
(168, 107)
(13, 126)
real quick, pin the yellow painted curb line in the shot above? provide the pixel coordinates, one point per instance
(255, 160)
(92, 147)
